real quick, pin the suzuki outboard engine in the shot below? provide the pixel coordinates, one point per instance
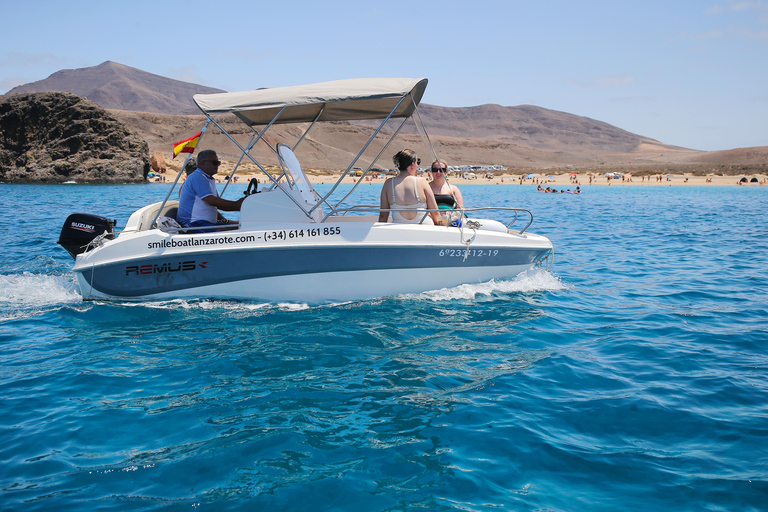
(80, 229)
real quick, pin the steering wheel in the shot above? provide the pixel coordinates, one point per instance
(253, 187)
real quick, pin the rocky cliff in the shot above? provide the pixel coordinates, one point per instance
(53, 137)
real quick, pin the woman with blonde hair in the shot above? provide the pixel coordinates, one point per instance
(406, 193)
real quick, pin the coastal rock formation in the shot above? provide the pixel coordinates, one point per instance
(158, 162)
(53, 137)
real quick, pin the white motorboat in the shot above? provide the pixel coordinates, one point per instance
(292, 244)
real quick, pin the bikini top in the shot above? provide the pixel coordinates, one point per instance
(445, 199)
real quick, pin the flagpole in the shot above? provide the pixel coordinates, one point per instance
(202, 132)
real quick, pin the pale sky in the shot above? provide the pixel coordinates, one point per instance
(691, 73)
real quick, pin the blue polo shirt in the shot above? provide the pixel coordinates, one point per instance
(191, 205)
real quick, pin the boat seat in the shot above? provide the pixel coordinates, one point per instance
(141, 220)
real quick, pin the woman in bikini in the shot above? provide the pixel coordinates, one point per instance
(446, 195)
(406, 193)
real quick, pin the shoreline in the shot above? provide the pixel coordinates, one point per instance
(562, 182)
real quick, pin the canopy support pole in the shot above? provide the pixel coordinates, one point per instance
(202, 132)
(333, 189)
(307, 213)
(250, 145)
(317, 117)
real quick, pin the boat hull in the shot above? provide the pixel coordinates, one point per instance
(303, 262)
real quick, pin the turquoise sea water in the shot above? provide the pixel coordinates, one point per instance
(631, 376)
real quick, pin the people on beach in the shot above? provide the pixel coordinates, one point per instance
(406, 193)
(199, 203)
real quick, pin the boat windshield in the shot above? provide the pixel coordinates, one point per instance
(291, 164)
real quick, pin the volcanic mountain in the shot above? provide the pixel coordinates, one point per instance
(526, 136)
(115, 86)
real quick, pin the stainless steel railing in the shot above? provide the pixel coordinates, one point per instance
(375, 208)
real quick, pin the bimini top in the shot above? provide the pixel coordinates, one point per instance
(339, 100)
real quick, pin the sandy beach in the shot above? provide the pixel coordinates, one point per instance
(567, 181)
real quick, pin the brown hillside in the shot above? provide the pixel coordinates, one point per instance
(523, 136)
(333, 145)
(531, 126)
(115, 86)
(740, 156)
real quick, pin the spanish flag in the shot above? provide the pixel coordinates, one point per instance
(186, 146)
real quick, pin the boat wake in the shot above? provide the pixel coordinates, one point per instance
(219, 304)
(28, 294)
(531, 281)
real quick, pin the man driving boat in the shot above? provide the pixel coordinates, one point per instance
(200, 203)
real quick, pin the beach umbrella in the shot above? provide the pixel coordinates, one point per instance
(530, 176)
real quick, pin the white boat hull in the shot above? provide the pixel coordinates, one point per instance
(308, 262)
(325, 287)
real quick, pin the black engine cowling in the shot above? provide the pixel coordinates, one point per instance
(81, 228)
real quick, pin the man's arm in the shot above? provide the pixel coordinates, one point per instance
(224, 204)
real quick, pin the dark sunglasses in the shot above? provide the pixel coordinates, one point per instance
(438, 169)
(214, 162)
(418, 161)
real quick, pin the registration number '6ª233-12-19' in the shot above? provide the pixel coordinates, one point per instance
(461, 253)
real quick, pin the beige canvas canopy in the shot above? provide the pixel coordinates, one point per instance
(339, 100)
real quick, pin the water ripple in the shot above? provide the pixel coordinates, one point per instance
(629, 377)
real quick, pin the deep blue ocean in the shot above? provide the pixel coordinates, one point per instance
(633, 375)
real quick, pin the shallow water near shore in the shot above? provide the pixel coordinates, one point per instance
(631, 376)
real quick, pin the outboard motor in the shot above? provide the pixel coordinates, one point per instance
(81, 228)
